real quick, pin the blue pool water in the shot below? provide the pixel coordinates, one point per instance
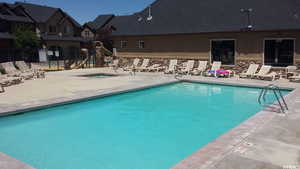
(148, 129)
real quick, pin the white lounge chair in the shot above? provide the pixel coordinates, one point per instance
(264, 73)
(155, 68)
(172, 66)
(270, 76)
(136, 61)
(24, 68)
(200, 69)
(213, 70)
(250, 72)
(144, 65)
(11, 70)
(114, 64)
(7, 81)
(291, 71)
(189, 67)
(295, 78)
(264, 70)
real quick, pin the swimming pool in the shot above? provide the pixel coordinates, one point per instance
(148, 129)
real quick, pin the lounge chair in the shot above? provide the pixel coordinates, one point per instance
(295, 78)
(200, 69)
(7, 81)
(11, 70)
(37, 68)
(133, 66)
(155, 68)
(264, 70)
(264, 73)
(270, 76)
(3, 82)
(114, 64)
(172, 67)
(144, 65)
(213, 70)
(189, 67)
(250, 72)
(291, 71)
(24, 68)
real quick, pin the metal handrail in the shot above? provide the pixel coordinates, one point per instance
(277, 93)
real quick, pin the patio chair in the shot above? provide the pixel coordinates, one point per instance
(155, 68)
(7, 81)
(114, 65)
(3, 82)
(213, 70)
(133, 66)
(200, 69)
(144, 65)
(189, 67)
(250, 72)
(295, 78)
(270, 76)
(172, 67)
(291, 71)
(37, 68)
(264, 73)
(24, 68)
(11, 70)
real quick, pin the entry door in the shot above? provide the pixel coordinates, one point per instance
(279, 52)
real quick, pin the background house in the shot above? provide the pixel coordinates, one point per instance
(234, 31)
(99, 30)
(11, 16)
(59, 32)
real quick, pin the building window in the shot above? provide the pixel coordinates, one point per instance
(52, 29)
(123, 44)
(223, 51)
(87, 34)
(67, 29)
(141, 44)
(279, 52)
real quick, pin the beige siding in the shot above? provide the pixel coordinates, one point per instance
(249, 45)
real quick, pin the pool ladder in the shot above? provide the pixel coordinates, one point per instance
(278, 95)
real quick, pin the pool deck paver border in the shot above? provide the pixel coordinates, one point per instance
(235, 149)
(239, 141)
(7, 162)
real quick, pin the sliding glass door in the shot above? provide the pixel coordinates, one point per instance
(279, 52)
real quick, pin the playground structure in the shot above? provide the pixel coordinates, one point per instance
(89, 57)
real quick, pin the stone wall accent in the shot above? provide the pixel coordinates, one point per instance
(239, 67)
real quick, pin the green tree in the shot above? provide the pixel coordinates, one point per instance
(26, 40)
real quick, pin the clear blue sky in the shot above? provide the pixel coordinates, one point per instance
(87, 10)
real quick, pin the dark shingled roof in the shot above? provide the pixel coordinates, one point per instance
(13, 16)
(100, 21)
(197, 16)
(41, 14)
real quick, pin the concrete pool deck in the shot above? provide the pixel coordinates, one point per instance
(266, 140)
